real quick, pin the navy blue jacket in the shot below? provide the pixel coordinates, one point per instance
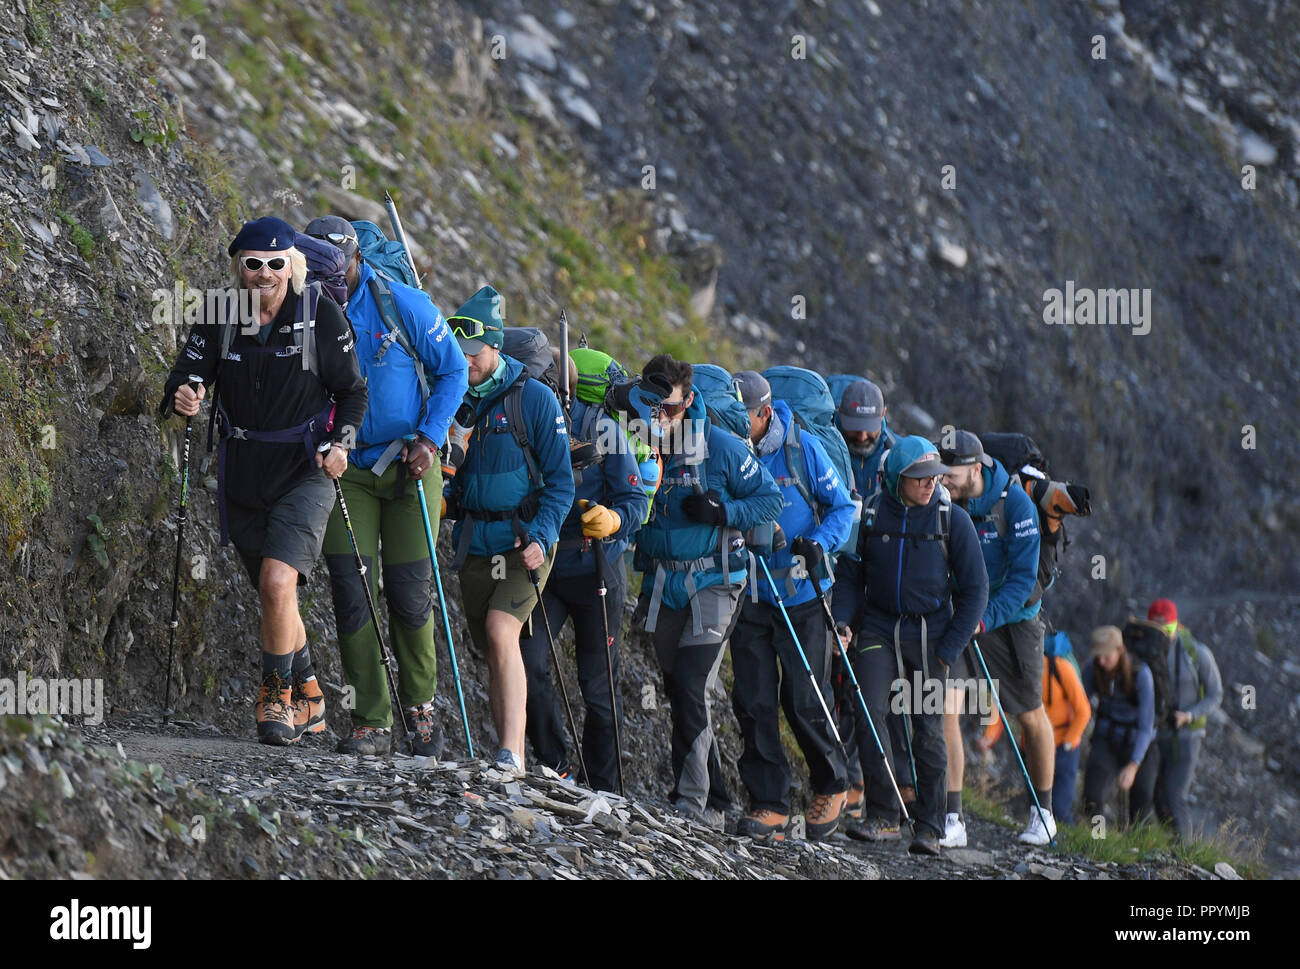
(910, 577)
(1126, 722)
(614, 483)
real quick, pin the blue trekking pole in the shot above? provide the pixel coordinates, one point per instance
(780, 604)
(853, 678)
(446, 623)
(396, 221)
(1014, 746)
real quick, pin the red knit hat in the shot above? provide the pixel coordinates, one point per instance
(1163, 610)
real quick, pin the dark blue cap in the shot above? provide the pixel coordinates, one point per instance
(267, 234)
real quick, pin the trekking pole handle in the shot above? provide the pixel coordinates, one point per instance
(525, 540)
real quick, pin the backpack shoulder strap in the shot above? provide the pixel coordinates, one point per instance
(304, 334)
(513, 404)
(945, 527)
(382, 293)
(795, 456)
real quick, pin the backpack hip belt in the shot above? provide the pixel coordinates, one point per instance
(310, 433)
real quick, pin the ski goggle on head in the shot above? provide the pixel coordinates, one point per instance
(255, 263)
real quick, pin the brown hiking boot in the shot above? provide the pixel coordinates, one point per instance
(853, 804)
(367, 742)
(763, 824)
(823, 815)
(274, 712)
(308, 707)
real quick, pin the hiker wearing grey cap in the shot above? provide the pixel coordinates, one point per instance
(769, 675)
(1010, 630)
(860, 415)
(912, 598)
(417, 376)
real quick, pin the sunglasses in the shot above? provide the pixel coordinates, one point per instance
(338, 238)
(672, 408)
(255, 263)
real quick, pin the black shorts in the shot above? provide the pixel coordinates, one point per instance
(291, 531)
(1014, 655)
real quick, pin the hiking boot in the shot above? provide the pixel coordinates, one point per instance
(708, 817)
(274, 712)
(367, 742)
(426, 731)
(853, 804)
(1035, 832)
(823, 815)
(763, 823)
(308, 707)
(924, 842)
(954, 831)
(874, 829)
(508, 763)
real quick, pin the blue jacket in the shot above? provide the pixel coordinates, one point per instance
(494, 475)
(748, 492)
(614, 483)
(796, 519)
(1127, 723)
(1011, 561)
(910, 577)
(394, 410)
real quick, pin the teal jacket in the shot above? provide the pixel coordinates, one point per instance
(720, 462)
(494, 476)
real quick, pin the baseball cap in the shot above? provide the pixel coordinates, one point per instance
(1105, 639)
(966, 449)
(862, 407)
(754, 389)
(335, 229)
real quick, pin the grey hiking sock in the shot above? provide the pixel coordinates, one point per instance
(281, 665)
(303, 670)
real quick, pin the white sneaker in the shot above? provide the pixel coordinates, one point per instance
(954, 832)
(1035, 833)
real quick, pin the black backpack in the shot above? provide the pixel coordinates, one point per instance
(1148, 642)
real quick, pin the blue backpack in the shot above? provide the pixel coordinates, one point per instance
(814, 412)
(391, 264)
(840, 382)
(1057, 647)
(724, 407)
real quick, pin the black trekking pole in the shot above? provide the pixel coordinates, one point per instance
(853, 678)
(524, 541)
(609, 656)
(1014, 746)
(803, 657)
(385, 657)
(181, 518)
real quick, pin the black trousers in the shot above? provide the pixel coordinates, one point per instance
(577, 597)
(876, 667)
(769, 672)
(857, 735)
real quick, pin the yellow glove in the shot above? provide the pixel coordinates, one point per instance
(597, 520)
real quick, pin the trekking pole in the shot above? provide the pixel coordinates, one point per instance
(437, 578)
(194, 382)
(564, 359)
(396, 221)
(385, 657)
(780, 604)
(1011, 737)
(609, 657)
(853, 678)
(524, 541)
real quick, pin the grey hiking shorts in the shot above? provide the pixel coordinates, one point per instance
(291, 531)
